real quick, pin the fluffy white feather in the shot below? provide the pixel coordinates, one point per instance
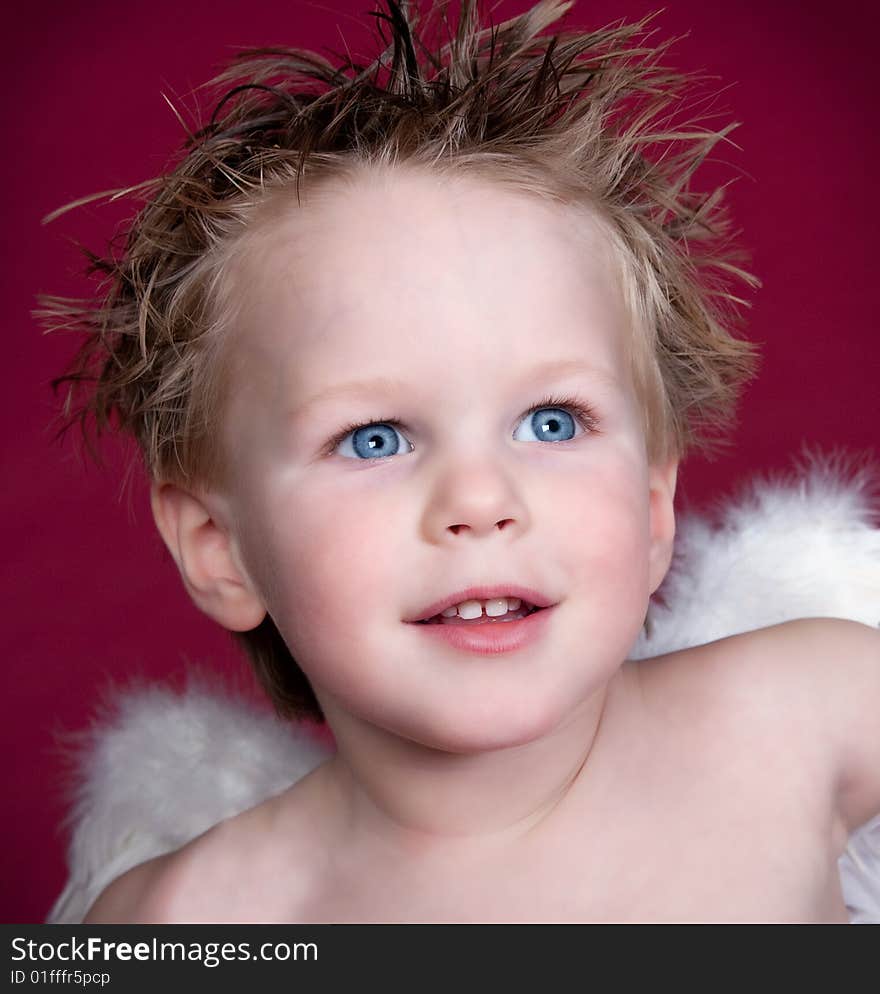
(159, 768)
(802, 546)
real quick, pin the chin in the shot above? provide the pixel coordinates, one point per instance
(488, 726)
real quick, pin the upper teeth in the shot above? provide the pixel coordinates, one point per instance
(469, 610)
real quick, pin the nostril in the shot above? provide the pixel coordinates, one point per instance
(501, 523)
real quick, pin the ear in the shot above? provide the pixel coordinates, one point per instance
(206, 557)
(661, 481)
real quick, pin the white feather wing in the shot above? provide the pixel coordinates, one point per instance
(160, 768)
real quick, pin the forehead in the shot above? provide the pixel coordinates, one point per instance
(407, 267)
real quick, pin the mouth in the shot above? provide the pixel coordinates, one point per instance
(484, 605)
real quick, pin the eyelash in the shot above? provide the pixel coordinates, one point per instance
(584, 415)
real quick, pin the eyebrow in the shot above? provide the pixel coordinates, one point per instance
(355, 388)
(388, 385)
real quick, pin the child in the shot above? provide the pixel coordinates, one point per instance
(412, 356)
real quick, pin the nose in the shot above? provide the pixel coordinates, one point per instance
(476, 499)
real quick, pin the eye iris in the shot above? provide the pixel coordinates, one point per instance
(375, 440)
(553, 425)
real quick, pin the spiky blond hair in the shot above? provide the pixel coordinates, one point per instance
(591, 119)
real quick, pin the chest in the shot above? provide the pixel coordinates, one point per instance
(685, 862)
(668, 834)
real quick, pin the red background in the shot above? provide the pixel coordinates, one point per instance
(88, 593)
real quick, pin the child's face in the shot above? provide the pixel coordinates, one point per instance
(475, 304)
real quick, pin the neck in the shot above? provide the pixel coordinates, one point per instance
(413, 798)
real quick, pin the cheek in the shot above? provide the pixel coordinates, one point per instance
(609, 529)
(332, 564)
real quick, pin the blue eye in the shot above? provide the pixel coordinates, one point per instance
(554, 420)
(547, 424)
(373, 441)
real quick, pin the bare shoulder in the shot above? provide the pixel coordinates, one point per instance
(815, 642)
(826, 671)
(798, 660)
(254, 867)
(807, 692)
(215, 877)
(135, 897)
(844, 671)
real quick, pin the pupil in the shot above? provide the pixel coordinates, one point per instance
(557, 427)
(374, 440)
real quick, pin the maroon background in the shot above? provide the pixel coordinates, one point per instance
(88, 592)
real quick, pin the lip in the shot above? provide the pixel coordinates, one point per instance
(491, 639)
(484, 593)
